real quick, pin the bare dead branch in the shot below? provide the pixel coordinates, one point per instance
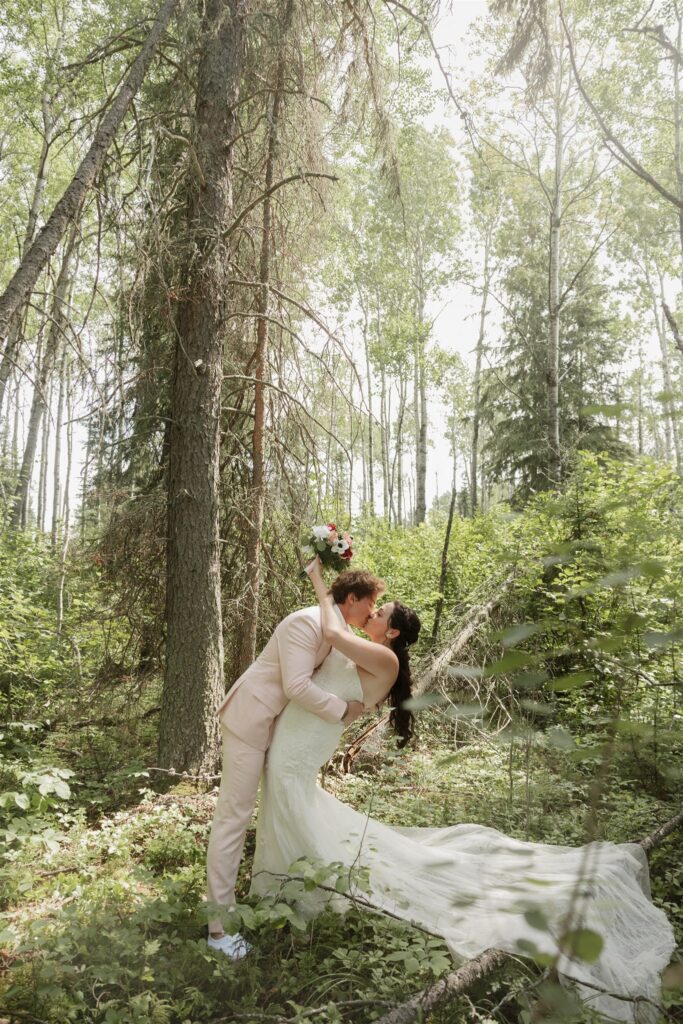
(304, 176)
(622, 153)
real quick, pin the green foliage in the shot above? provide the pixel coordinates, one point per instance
(114, 927)
(34, 795)
(573, 679)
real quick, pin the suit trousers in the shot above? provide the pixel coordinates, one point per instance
(242, 767)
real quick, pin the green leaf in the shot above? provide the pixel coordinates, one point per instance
(412, 965)
(248, 916)
(530, 949)
(530, 680)
(425, 700)
(464, 711)
(510, 662)
(609, 409)
(560, 738)
(466, 671)
(537, 919)
(582, 943)
(536, 707)
(572, 681)
(516, 634)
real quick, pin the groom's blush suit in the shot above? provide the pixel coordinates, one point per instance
(282, 672)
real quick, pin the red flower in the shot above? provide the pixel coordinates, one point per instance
(347, 554)
(331, 526)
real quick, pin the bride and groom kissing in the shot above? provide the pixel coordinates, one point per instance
(469, 884)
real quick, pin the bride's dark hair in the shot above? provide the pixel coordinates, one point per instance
(401, 719)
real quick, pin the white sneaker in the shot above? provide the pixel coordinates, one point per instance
(233, 946)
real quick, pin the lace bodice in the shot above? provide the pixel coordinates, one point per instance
(339, 675)
(304, 741)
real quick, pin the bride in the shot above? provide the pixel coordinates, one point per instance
(473, 886)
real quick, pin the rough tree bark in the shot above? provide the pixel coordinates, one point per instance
(193, 680)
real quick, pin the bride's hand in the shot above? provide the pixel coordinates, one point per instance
(354, 710)
(314, 568)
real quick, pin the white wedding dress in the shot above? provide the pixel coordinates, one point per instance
(469, 884)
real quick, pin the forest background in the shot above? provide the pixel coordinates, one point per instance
(271, 264)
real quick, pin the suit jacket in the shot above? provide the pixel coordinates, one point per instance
(282, 672)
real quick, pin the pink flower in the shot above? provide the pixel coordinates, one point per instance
(333, 536)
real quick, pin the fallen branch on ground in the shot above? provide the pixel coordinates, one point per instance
(445, 988)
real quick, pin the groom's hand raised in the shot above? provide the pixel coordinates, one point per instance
(354, 709)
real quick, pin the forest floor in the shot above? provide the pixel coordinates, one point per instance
(109, 927)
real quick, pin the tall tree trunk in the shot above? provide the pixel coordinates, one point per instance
(400, 511)
(641, 446)
(16, 424)
(390, 467)
(67, 208)
(476, 397)
(56, 479)
(193, 680)
(371, 426)
(87, 455)
(43, 462)
(384, 426)
(14, 334)
(420, 387)
(421, 461)
(438, 611)
(39, 403)
(678, 161)
(66, 508)
(670, 416)
(553, 357)
(258, 489)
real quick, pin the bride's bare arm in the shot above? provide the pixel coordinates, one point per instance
(375, 659)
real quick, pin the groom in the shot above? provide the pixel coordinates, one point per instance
(282, 672)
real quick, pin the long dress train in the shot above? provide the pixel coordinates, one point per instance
(472, 885)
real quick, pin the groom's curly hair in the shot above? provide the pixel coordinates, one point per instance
(358, 582)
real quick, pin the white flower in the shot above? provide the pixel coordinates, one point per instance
(321, 532)
(340, 546)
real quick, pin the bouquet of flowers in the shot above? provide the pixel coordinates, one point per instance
(333, 546)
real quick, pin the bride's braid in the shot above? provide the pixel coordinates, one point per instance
(401, 719)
